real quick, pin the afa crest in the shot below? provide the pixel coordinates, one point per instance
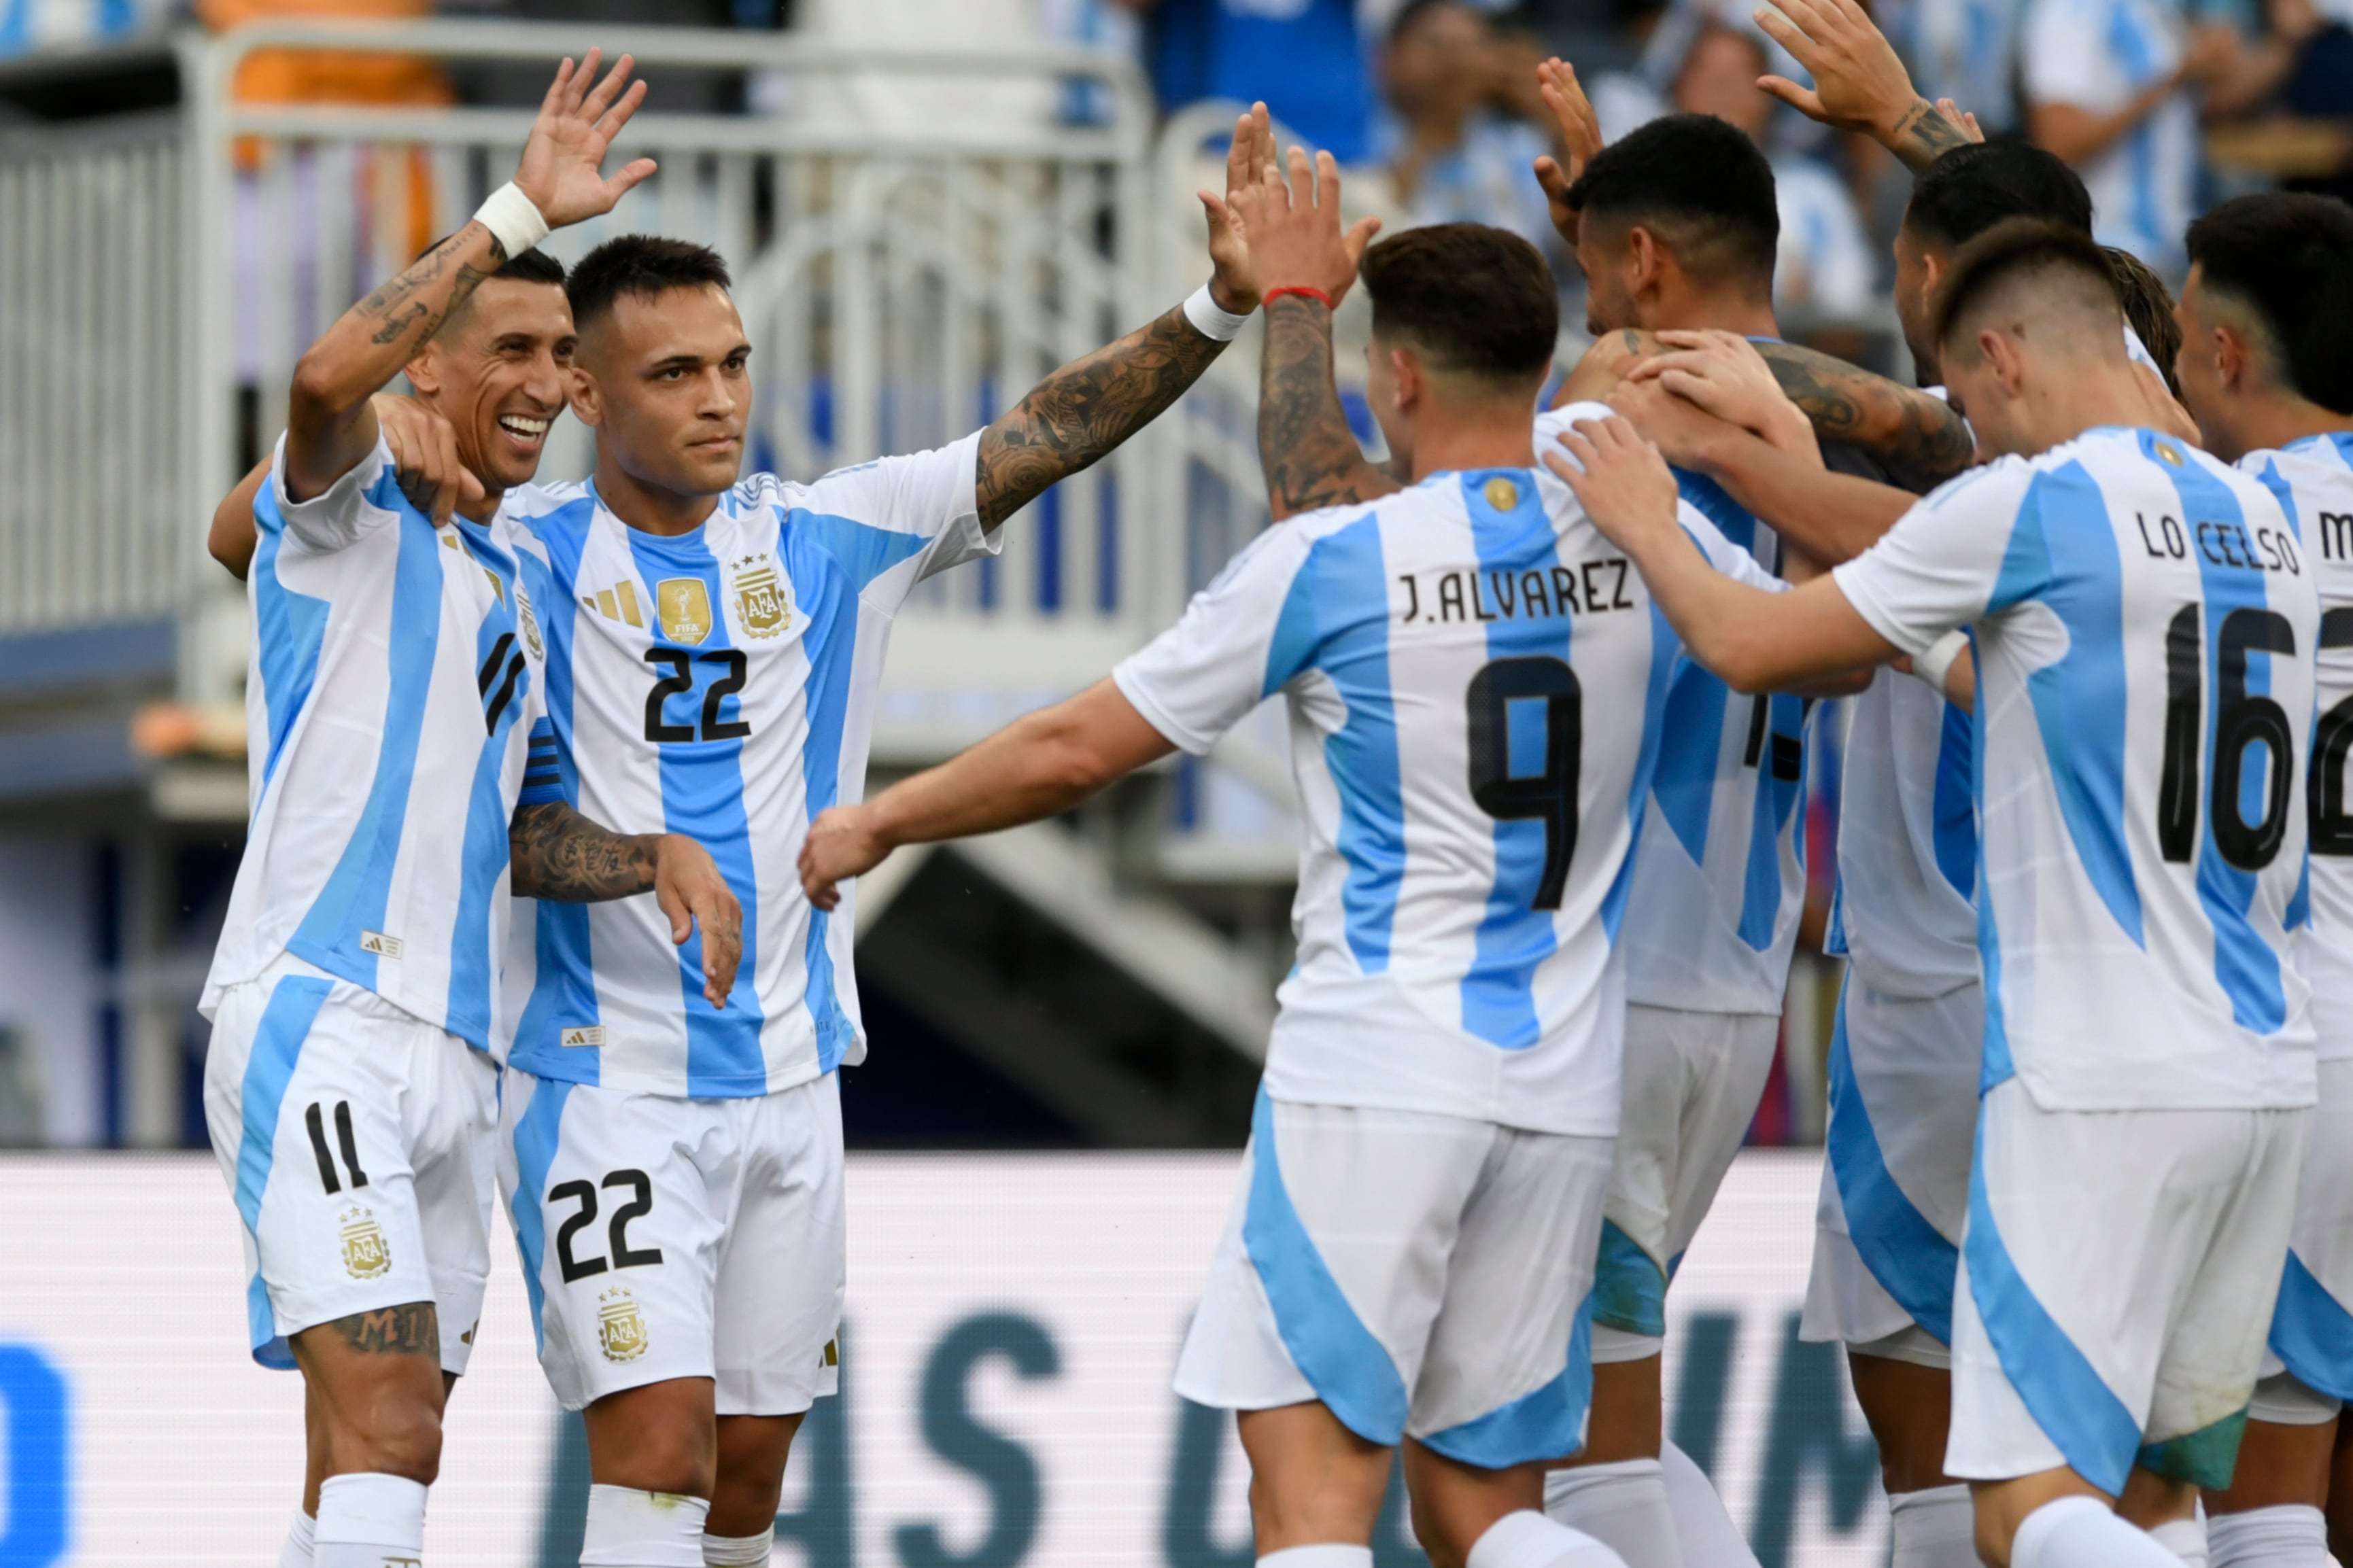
(366, 1254)
(529, 620)
(763, 602)
(683, 605)
(620, 1326)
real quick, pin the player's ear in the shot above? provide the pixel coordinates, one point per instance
(2233, 360)
(588, 401)
(424, 372)
(1642, 260)
(1410, 382)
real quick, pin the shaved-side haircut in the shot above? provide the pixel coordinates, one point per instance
(2026, 271)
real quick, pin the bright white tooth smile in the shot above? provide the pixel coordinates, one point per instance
(528, 429)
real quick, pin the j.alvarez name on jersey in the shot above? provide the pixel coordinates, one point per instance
(1587, 588)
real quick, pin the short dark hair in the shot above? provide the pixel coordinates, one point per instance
(1476, 299)
(1410, 14)
(2023, 247)
(644, 265)
(531, 266)
(2288, 259)
(2149, 311)
(1700, 182)
(1970, 189)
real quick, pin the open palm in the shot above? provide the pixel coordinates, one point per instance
(562, 165)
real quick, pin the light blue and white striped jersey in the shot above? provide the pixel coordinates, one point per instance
(394, 675)
(718, 684)
(1907, 842)
(1477, 681)
(1960, 49)
(2144, 623)
(1719, 877)
(2313, 481)
(2097, 54)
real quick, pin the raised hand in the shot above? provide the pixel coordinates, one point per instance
(1579, 133)
(1296, 240)
(1621, 479)
(1234, 282)
(561, 167)
(1858, 82)
(1723, 373)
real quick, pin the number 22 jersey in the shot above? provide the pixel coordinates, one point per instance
(718, 684)
(1475, 679)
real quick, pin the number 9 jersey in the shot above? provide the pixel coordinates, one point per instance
(1475, 678)
(719, 684)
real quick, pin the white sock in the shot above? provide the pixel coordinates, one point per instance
(1326, 1555)
(1703, 1524)
(1935, 1527)
(365, 1519)
(1623, 1505)
(302, 1541)
(2185, 1538)
(2293, 1535)
(738, 1551)
(2084, 1532)
(631, 1529)
(1529, 1540)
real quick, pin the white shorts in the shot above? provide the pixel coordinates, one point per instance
(1692, 1083)
(2311, 1330)
(1896, 1179)
(1421, 1275)
(2116, 1275)
(356, 1139)
(667, 1237)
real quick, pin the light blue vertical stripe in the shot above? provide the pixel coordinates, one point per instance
(286, 1021)
(1953, 811)
(1996, 1067)
(1773, 814)
(537, 1132)
(357, 891)
(487, 808)
(1666, 651)
(2244, 963)
(703, 797)
(564, 981)
(288, 630)
(1691, 745)
(1513, 938)
(1907, 1255)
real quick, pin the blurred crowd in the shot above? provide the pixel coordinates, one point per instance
(2166, 106)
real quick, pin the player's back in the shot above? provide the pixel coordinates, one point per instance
(393, 668)
(2145, 678)
(2313, 481)
(716, 683)
(1475, 679)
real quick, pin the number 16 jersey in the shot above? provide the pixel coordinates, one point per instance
(718, 684)
(1475, 678)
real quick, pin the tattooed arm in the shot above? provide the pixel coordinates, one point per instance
(1859, 81)
(558, 855)
(1310, 454)
(1918, 437)
(330, 426)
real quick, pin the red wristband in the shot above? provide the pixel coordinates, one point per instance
(1302, 290)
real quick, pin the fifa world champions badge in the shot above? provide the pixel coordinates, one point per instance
(620, 1326)
(366, 1254)
(683, 605)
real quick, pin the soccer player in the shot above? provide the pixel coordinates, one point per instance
(396, 672)
(2143, 628)
(2266, 366)
(1476, 708)
(673, 1168)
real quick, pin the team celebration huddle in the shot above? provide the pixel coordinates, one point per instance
(559, 804)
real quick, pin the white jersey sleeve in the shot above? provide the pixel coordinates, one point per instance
(1198, 679)
(1939, 568)
(894, 522)
(339, 515)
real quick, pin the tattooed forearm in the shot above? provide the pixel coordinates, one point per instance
(559, 855)
(1918, 436)
(1923, 135)
(396, 310)
(410, 1330)
(1080, 412)
(1310, 455)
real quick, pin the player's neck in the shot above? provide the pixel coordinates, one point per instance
(1492, 436)
(2097, 396)
(484, 509)
(649, 509)
(2268, 424)
(1688, 309)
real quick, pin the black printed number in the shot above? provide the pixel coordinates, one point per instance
(2332, 738)
(681, 665)
(2242, 720)
(315, 1118)
(1550, 795)
(616, 1230)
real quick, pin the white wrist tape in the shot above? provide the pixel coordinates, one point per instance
(1217, 326)
(513, 219)
(1937, 662)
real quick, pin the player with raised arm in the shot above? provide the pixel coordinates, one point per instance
(1476, 700)
(674, 1169)
(2143, 628)
(396, 672)
(2266, 365)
